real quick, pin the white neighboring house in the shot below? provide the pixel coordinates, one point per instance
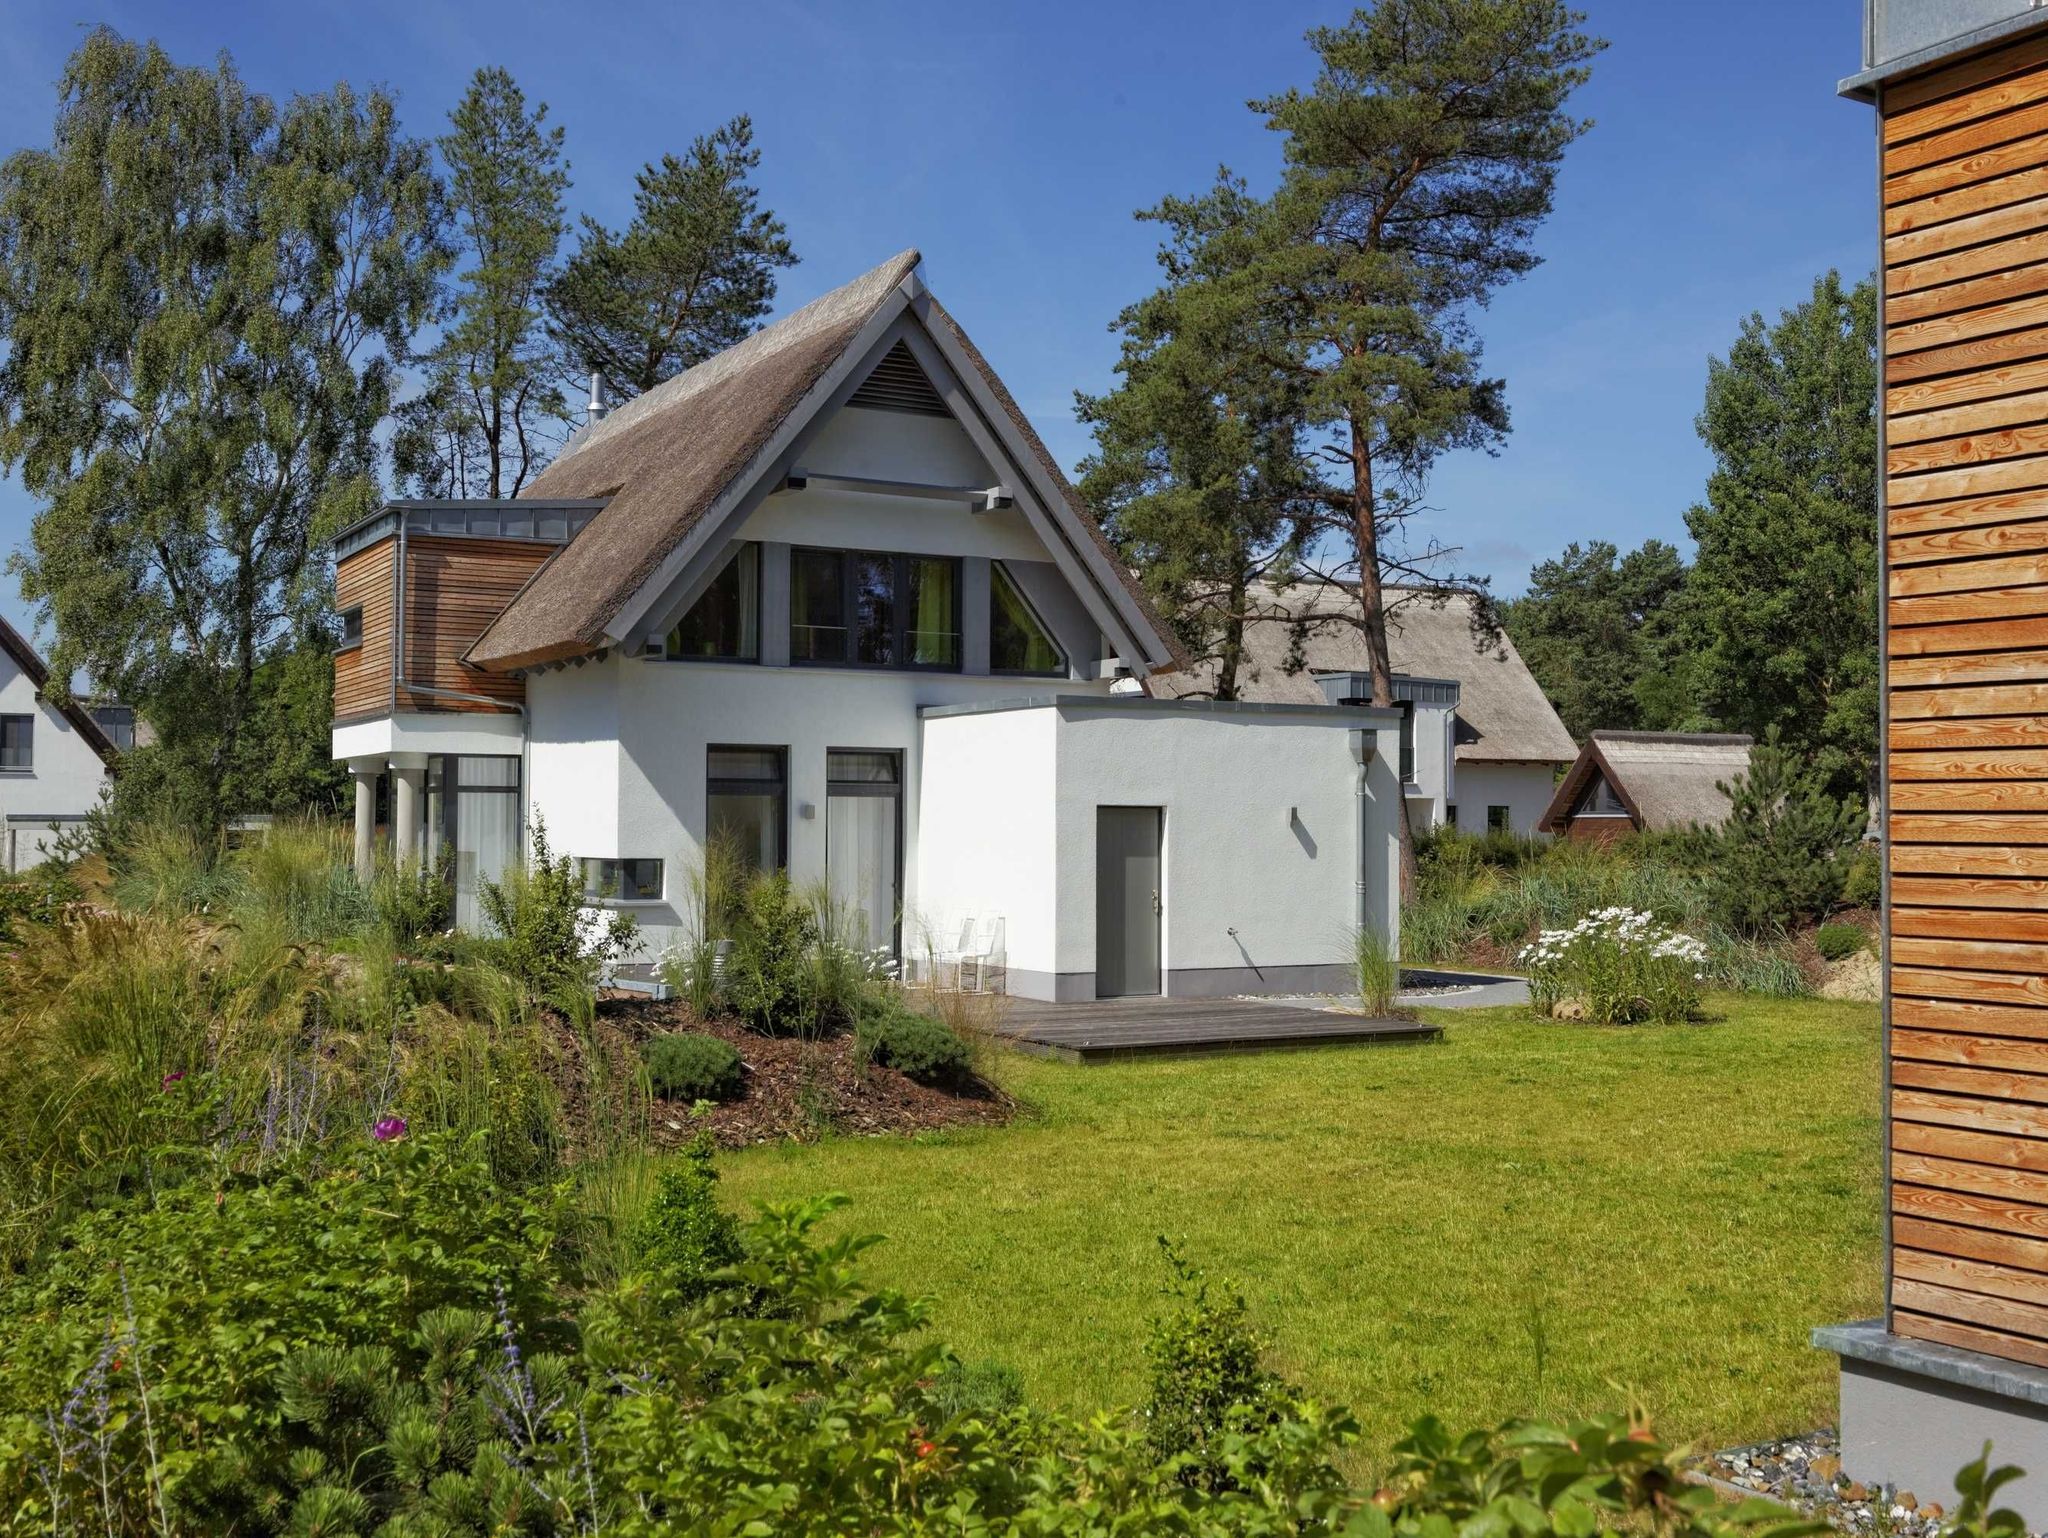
(827, 598)
(53, 759)
(1481, 746)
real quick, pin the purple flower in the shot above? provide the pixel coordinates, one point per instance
(389, 1130)
(171, 1078)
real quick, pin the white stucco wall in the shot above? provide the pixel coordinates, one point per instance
(1437, 770)
(64, 780)
(1524, 789)
(1233, 858)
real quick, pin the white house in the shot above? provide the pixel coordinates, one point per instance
(1481, 747)
(53, 758)
(827, 598)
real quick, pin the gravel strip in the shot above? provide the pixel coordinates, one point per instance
(1806, 1472)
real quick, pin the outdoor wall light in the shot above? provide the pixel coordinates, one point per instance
(807, 810)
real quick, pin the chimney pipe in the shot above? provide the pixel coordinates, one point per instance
(600, 398)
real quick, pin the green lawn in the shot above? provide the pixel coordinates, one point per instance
(1525, 1219)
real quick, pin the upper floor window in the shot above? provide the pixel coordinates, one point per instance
(1018, 640)
(17, 742)
(725, 621)
(352, 627)
(866, 609)
(118, 722)
(1599, 800)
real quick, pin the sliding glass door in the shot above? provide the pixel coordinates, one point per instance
(864, 843)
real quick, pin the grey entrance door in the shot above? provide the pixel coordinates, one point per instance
(1127, 900)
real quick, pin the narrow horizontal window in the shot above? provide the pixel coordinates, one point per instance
(725, 621)
(622, 880)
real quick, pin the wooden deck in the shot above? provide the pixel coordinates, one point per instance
(1095, 1030)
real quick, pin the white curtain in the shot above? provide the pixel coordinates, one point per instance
(860, 864)
(486, 842)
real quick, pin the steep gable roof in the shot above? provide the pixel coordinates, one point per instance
(691, 445)
(25, 656)
(1666, 780)
(1499, 699)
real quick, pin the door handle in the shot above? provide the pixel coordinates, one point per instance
(1156, 908)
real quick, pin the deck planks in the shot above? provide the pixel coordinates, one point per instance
(1098, 1030)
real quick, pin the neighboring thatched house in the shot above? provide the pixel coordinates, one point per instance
(1626, 782)
(1482, 747)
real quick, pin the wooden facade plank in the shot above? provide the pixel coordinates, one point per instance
(1966, 513)
(1970, 575)
(1979, 1276)
(1994, 1052)
(1949, 1332)
(1995, 285)
(2025, 474)
(1950, 328)
(1969, 828)
(1989, 700)
(1996, 764)
(2011, 1118)
(1971, 732)
(1970, 955)
(1984, 667)
(1980, 1148)
(1992, 1084)
(1922, 184)
(1964, 92)
(1970, 924)
(1969, 795)
(1928, 213)
(1954, 544)
(1980, 133)
(1971, 416)
(1949, 1302)
(2024, 342)
(1970, 1243)
(1973, 1211)
(1969, 892)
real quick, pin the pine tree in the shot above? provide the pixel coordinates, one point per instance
(693, 273)
(1783, 853)
(493, 409)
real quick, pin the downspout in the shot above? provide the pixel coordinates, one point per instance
(1363, 748)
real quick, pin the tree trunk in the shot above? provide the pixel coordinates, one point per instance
(1373, 615)
(1230, 658)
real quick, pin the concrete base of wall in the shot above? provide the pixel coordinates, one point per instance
(1194, 982)
(1913, 1413)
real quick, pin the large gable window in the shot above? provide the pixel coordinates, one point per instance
(1018, 640)
(858, 608)
(725, 621)
(1599, 800)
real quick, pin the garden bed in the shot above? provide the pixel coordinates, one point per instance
(799, 1090)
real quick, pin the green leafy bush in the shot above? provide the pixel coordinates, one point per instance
(34, 899)
(229, 1345)
(1863, 883)
(1836, 942)
(915, 1045)
(546, 935)
(684, 1235)
(688, 1065)
(767, 972)
(417, 899)
(1206, 1381)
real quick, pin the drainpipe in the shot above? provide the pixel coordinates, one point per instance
(1364, 747)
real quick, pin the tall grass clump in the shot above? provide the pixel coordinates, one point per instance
(1377, 968)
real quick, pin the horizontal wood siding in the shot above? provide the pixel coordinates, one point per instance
(1965, 233)
(362, 674)
(454, 587)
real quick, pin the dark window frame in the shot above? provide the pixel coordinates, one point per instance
(740, 547)
(351, 618)
(452, 786)
(999, 572)
(715, 785)
(27, 722)
(899, 628)
(1504, 822)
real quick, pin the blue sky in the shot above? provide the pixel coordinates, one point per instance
(1011, 143)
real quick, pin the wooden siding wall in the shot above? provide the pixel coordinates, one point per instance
(1966, 419)
(362, 674)
(454, 587)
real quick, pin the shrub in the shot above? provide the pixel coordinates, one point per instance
(415, 900)
(1863, 884)
(687, 1065)
(1620, 965)
(1836, 942)
(684, 1235)
(34, 899)
(1785, 851)
(195, 1359)
(915, 1045)
(1204, 1376)
(545, 935)
(767, 969)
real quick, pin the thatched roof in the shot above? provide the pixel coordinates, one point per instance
(1666, 780)
(1498, 698)
(668, 457)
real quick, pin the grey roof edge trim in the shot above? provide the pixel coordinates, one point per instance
(1141, 704)
(1863, 85)
(1867, 1340)
(398, 505)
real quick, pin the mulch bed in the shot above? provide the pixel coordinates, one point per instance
(800, 1089)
